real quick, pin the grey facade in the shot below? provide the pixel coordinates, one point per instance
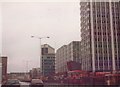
(48, 60)
(73, 51)
(61, 58)
(66, 53)
(100, 33)
(20, 76)
(35, 73)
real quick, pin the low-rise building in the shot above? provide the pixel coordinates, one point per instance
(35, 73)
(73, 65)
(22, 76)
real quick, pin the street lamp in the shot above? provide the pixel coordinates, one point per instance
(40, 38)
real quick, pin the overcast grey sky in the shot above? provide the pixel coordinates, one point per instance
(58, 20)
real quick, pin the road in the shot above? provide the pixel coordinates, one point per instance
(24, 84)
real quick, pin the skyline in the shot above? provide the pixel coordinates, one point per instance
(58, 20)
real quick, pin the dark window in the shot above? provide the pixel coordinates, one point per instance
(44, 51)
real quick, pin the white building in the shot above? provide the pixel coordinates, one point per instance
(100, 35)
(66, 53)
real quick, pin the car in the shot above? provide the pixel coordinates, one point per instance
(36, 83)
(12, 83)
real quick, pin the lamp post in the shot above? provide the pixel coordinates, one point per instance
(40, 38)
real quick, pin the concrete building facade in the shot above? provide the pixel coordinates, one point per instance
(61, 59)
(100, 33)
(48, 60)
(73, 51)
(66, 53)
(35, 73)
(22, 76)
(3, 63)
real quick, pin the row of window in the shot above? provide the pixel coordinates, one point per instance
(101, 33)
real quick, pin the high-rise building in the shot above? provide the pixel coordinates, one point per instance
(66, 53)
(61, 59)
(48, 60)
(100, 33)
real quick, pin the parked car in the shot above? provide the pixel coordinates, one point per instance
(36, 83)
(12, 83)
